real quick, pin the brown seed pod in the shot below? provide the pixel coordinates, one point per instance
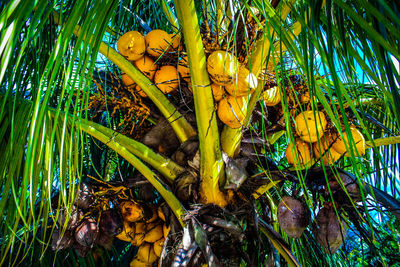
(328, 230)
(162, 138)
(293, 216)
(86, 233)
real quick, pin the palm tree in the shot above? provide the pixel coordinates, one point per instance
(66, 120)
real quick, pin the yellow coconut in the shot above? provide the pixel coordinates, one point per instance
(340, 143)
(154, 215)
(218, 92)
(147, 66)
(166, 79)
(158, 42)
(272, 96)
(183, 69)
(328, 156)
(230, 111)
(126, 80)
(128, 233)
(140, 232)
(160, 214)
(176, 42)
(158, 246)
(132, 45)
(138, 263)
(244, 82)
(166, 230)
(222, 67)
(131, 211)
(146, 253)
(309, 126)
(140, 91)
(299, 154)
(154, 232)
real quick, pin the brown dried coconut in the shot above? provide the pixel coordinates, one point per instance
(328, 230)
(293, 216)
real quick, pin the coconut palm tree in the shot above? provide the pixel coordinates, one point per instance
(82, 150)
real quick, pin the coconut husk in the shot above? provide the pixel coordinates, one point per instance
(74, 216)
(105, 240)
(293, 216)
(328, 230)
(85, 196)
(349, 182)
(111, 222)
(186, 151)
(162, 138)
(86, 233)
(58, 242)
(186, 187)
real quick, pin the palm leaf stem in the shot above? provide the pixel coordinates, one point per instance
(279, 243)
(158, 184)
(169, 14)
(168, 168)
(211, 164)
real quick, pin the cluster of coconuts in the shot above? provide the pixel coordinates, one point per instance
(143, 51)
(83, 232)
(231, 84)
(231, 81)
(146, 232)
(314, 140)
(294, 217)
